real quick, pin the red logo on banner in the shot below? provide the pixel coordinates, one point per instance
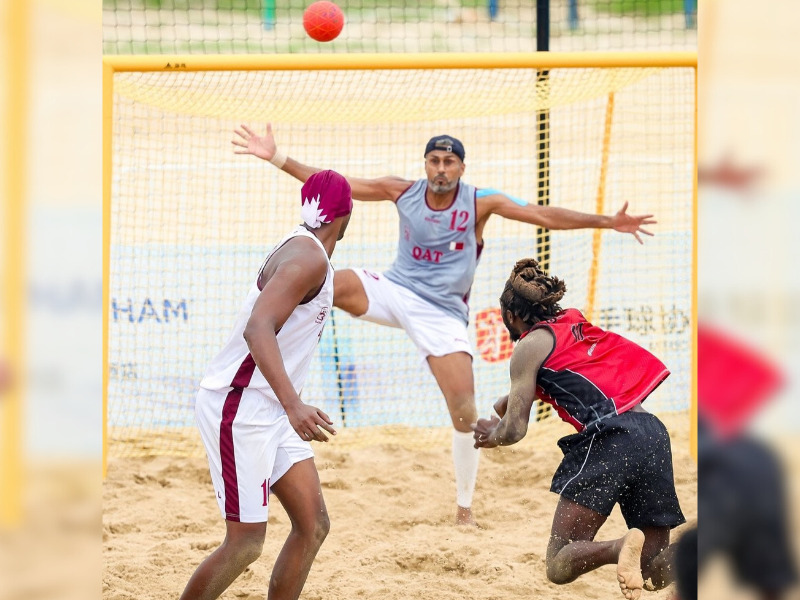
(492, 336)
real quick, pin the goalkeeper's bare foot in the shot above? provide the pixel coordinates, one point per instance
(464, 517)
(629, 565)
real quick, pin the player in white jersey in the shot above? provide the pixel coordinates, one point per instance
(426, 290)
(255, 428)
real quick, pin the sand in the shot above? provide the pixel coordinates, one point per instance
(392, 533)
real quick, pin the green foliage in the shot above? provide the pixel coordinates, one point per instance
(396, 11)
(224, 5)
(402, 6)
(409, 9)
(649, 8)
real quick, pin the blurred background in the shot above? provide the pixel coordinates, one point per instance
(50, 417)
(748, 153)
(748, 292)
(50, 420)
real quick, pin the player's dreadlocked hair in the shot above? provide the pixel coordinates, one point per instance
(530, 294)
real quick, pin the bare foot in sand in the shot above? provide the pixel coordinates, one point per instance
(629, 569)
(464, 517)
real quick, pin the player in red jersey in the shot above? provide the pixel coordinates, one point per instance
(596, 380)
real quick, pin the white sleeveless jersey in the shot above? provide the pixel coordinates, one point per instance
(234, 367)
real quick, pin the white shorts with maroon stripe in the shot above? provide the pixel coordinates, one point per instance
(250, 445)
(434, 332)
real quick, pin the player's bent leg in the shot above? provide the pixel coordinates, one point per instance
(300, 494)
(242, 546)
(453, 373)
(572, 550)
(348, 293)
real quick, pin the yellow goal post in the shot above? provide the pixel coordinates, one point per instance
(186, 222)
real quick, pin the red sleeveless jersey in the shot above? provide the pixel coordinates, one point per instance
(592, 374)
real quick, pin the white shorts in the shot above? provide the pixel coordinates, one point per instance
(250, 445)
(434, 332)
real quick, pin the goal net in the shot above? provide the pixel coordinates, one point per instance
(190, 222)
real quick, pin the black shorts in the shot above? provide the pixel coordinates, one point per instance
(625, 459)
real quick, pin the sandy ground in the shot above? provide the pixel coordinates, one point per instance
(392, 535)
(53, 551)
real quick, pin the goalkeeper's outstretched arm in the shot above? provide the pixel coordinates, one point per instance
(265, 148)
(495, 202)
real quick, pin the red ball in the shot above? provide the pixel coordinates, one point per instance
(323, 20)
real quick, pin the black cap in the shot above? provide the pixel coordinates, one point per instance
(446, 143)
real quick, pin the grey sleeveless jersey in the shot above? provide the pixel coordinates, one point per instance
(437, 252)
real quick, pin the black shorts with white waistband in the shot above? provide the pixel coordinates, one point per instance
(624, 459)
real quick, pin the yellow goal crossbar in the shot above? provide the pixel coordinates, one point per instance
(324, 62)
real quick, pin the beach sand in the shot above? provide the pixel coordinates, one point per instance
(392, 533)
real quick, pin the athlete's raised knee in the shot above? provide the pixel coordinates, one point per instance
(463, 411)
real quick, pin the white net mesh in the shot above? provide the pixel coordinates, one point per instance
(191, 223)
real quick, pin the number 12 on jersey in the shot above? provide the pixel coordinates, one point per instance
(458, 220)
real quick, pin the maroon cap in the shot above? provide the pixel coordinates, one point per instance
(325, 196)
